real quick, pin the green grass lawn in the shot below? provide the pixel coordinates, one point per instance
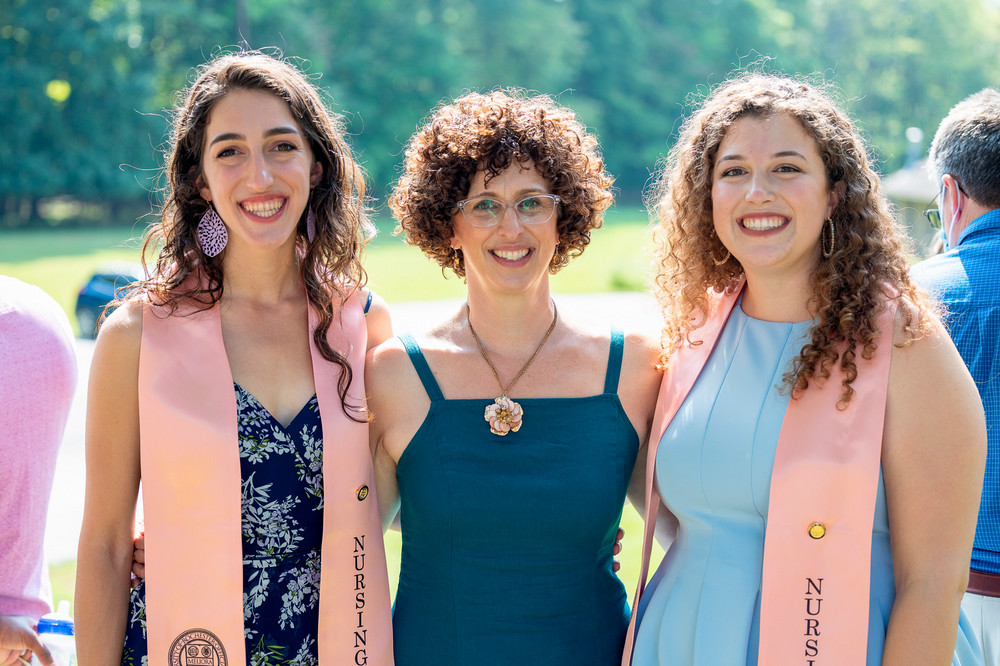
(59, 261)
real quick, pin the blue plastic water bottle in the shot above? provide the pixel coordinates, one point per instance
(55, 630)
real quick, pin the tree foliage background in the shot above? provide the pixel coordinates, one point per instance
(86, 86)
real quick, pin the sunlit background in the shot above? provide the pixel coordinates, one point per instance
(86, 87)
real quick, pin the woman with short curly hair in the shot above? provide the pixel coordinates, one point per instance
(506, 436)
(824, 498)
(489, 132)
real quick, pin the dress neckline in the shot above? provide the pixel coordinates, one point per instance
(298, 414)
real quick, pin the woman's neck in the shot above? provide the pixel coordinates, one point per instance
(512, 322)
(262, 277)
(777, 300)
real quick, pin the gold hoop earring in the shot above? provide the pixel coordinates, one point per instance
(828, 250)
(719, 262)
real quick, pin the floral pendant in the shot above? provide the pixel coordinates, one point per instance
(504, 416)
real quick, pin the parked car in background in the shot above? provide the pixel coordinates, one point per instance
(102, 288)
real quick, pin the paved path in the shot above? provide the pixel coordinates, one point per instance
(628, 309)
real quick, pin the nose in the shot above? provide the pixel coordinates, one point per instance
(510, 224)
(759, 189)
(259, 177)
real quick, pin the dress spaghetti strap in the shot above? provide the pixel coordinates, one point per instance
(614, 361)
(420, 365)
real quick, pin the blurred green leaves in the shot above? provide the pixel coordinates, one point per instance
(86, 86)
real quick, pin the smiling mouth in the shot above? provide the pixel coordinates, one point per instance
(763, 223)
(264, 209)
(511, 255)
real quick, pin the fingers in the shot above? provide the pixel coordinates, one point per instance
(139, 549)
(33, 644)
(617, 548)
(44, 656)
(138, 559)
(18, 640)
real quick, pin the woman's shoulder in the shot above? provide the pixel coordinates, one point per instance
(125, 322)
(116, 350)
(377, 317)
(640, 339)
(916, 319)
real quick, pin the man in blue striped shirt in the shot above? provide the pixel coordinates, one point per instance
(965, 157)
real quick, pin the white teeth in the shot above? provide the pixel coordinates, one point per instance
(264, 208)
(511, 255)
(762, 223)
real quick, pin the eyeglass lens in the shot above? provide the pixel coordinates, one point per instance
(487, 211)
(934, 217)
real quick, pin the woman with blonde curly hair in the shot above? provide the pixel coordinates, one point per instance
(506, 436)
(231, 384)
(823, 498)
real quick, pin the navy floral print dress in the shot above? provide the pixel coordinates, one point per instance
(282, 507)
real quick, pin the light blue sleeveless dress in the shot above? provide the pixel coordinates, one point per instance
(507, 541)
(713, 471)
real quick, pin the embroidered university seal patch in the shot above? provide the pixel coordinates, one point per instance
(197, 647)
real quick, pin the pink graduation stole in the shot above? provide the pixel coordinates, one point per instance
(821, 508)
(191, 499)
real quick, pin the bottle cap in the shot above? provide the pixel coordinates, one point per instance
(59, 622)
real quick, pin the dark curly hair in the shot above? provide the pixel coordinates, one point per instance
(488, 132)
(867, 267)
(329, 264)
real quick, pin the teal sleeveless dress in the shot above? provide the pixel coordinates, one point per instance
(507, 541)
(713, 471)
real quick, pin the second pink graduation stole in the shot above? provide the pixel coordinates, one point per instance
(821, 508)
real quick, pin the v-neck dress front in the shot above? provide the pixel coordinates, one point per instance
(282, 523)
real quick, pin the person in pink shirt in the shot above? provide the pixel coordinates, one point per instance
(37, 380)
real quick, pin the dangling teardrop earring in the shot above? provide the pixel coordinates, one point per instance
(828, 250)
(212, 233)
(455, 261)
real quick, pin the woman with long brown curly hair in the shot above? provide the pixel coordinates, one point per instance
(231, 384)
(506, 435)
(824, 499)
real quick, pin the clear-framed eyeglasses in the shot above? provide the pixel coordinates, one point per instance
(487, 211)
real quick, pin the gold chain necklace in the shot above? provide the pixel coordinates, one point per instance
(505, 415)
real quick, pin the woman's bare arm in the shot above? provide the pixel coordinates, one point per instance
(112, 442)
(933, 458)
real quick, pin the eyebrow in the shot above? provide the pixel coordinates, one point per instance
(520, 194)
(782, 153)
(233, 136)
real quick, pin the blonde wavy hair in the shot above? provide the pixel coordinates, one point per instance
(867, 267)
(489, 132)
